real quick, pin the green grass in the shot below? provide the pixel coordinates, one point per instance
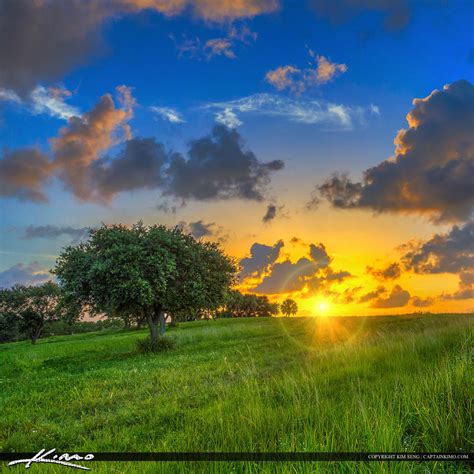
(302, 384)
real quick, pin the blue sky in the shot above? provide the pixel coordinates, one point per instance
(165, 62)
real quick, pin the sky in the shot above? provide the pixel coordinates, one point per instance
(328, 146)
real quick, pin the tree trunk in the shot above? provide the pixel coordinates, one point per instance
(162, 323)
(153, 324)
(35, 336)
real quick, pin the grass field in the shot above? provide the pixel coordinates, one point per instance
(279, 384)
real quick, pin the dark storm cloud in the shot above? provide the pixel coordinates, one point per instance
(372, 295)
(397, 298)
(218, 167)
(452, 252)
(53, 232)
(390, 272)
(24, 275)
(461, 294)
(139, 166)
(287, 276)
(270, 214)
(40, 40)
(396, 12)
(311, 274)
(422, 302)
(466, 287)
(199, 229)
(261, 257)
(23, 173)
(432, 171)
(467, 278)
(338, 276)
(319, 255)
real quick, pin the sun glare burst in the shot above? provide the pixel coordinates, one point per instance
(322, 307)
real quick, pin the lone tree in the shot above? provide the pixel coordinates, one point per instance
(32, 307)
(146, 270)
(289, 307)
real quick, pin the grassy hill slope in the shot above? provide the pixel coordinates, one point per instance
(301, 384)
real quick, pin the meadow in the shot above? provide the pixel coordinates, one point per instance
(373, 384)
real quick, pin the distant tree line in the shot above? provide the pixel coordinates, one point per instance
(140, 275)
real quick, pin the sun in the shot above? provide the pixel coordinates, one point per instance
(322, 307)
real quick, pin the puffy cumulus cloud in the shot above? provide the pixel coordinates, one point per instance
(432, 170)
(23, 173)
(452, 252)
(309, 275)
(53, 232)
(218, 167)
(309, 112)
(397, 298)
(76, 155)
(261, 257)
(422, 302)
(21, 274)
(396, 12)
(55, 44)
(325, 71)
(391, 272)
(298, 80)
(85, 138)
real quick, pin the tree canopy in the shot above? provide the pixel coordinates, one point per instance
(289, 307)
(249, 305)
(149, 270)
(27, 309)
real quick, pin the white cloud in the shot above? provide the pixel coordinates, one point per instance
(167, 113)
(9, 96)
(310, 112)
(51, 102)
(44, 101)
(228, 118)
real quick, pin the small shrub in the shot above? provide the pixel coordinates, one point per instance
(162, 344)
